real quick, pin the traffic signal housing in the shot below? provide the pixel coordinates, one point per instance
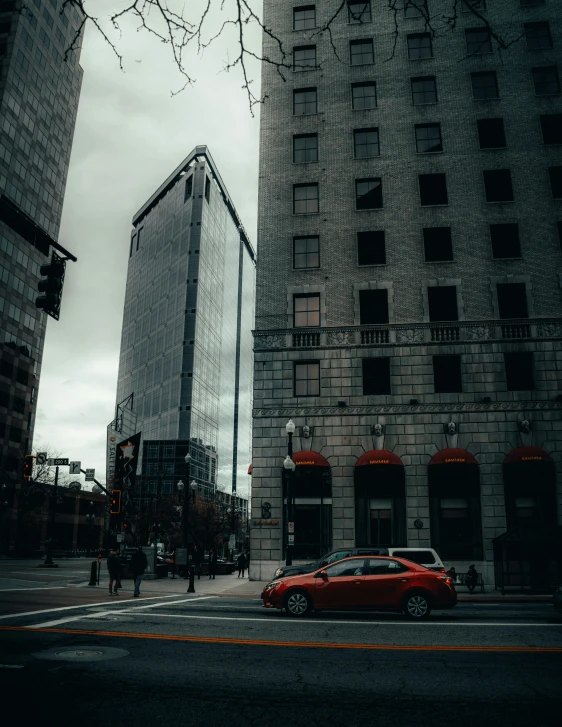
(115, 507)
(28, 466)
(51, 286)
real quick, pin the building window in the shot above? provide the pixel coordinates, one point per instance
(304, 58)
(442, 303)
(519, 374)
(304, 101)
(419, 46)
(306, 252)
(415, 8)
(551, 127)
(188, 188)
(373, 307)
(555, 175)
(447, 377)
(424, 90)
(366, 143)
(359, 12)
(376, 377)
(305, 148)
(538, 36)
(207, 189)
(306, 311)
(305, 199)
(512, 300)
(437, 244)
(433, 189)
(371, 248)
(139, 237)
(307, 378)
(364, 95)
(361, 52)
(484, 85)
(505, 240)
(546, 80)
(478, 41)
(368, 193)
(491, 134)
(304, 17)
(498, 186)
(428, 138)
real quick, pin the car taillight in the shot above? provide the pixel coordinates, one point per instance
(448, 581)
(442, 570)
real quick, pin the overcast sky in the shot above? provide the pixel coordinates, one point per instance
(130, 135)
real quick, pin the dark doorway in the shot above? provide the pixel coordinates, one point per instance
(380, 500)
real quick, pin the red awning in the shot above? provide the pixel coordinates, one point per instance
(310, 459)
(250, 470)
(527, 454)
(378, 456)
(453, 455)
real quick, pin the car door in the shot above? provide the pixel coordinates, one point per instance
(384, 583)
(341, 586)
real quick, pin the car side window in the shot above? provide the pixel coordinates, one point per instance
(379, 567)
(346, 568)
(422, 557)
(339, 555)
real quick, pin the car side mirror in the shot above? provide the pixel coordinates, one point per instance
(321, 574)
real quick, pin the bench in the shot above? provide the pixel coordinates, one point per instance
(462, 576)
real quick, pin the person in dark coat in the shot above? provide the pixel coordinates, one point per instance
(471, 578)
(241, 564)
(138, 566)
(212, 564)
(114, 568)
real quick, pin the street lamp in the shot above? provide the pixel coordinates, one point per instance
(289, 467)
(90, 518)
(189, 494)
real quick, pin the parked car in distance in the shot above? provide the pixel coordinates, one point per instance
(364, 583)
(557, 599)
(332, 557)
(422, 556)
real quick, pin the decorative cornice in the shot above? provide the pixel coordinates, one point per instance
(408, 409)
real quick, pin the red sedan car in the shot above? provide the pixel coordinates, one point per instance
(370, 583)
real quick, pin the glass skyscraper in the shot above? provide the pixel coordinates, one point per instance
(186, 346)
(39, 92)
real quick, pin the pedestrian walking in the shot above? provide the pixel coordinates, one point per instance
(212, 564)
(114, 568)
(241, 564)
(138, 566)
(197, 561)
(471, 578)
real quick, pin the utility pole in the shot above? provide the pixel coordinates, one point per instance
(51, 533)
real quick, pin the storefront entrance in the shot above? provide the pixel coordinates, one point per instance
(380, 500)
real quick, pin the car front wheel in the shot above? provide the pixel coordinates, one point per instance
(416, 606)
(297, 604)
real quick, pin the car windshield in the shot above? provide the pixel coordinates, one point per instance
(333, 558)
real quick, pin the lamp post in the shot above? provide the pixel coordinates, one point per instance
(289, 467)
(90, 518)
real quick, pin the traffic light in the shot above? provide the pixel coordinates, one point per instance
(28, 466)
(115, 508)
(51, 286)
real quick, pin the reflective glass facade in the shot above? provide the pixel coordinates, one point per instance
(189, 308)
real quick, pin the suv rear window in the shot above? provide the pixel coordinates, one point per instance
(422, 557)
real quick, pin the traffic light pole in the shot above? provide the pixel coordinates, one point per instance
(51, 533)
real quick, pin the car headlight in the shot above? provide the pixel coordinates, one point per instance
(279, 572)
(272, 585)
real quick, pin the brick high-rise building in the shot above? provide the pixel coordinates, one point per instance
(408, 300)
(39, 93)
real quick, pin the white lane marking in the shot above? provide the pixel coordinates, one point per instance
(167, 603)
(58, 622)
(11, 666)
(333, 623)
(67, 608)
(38, 588)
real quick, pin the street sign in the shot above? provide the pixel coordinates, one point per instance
(291, 539)
(41, 458)
(290, 527)
(74, 468)
(60, 462)
(90, 475)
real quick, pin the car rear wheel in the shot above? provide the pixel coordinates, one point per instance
(417, 606)
(297, 603)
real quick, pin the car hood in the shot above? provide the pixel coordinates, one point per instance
(293, 570)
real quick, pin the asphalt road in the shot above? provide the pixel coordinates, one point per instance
(209, 660)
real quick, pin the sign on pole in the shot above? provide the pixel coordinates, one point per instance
(60, 462)
(74, 468)
(290, 527)
(90, 475)
(291, 540)
(41, 458)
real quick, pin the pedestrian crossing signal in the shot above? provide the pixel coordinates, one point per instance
(115, 508)
(28, 466)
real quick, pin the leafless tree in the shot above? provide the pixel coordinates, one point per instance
(198, 24)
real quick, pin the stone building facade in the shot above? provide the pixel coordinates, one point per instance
(408, 306)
